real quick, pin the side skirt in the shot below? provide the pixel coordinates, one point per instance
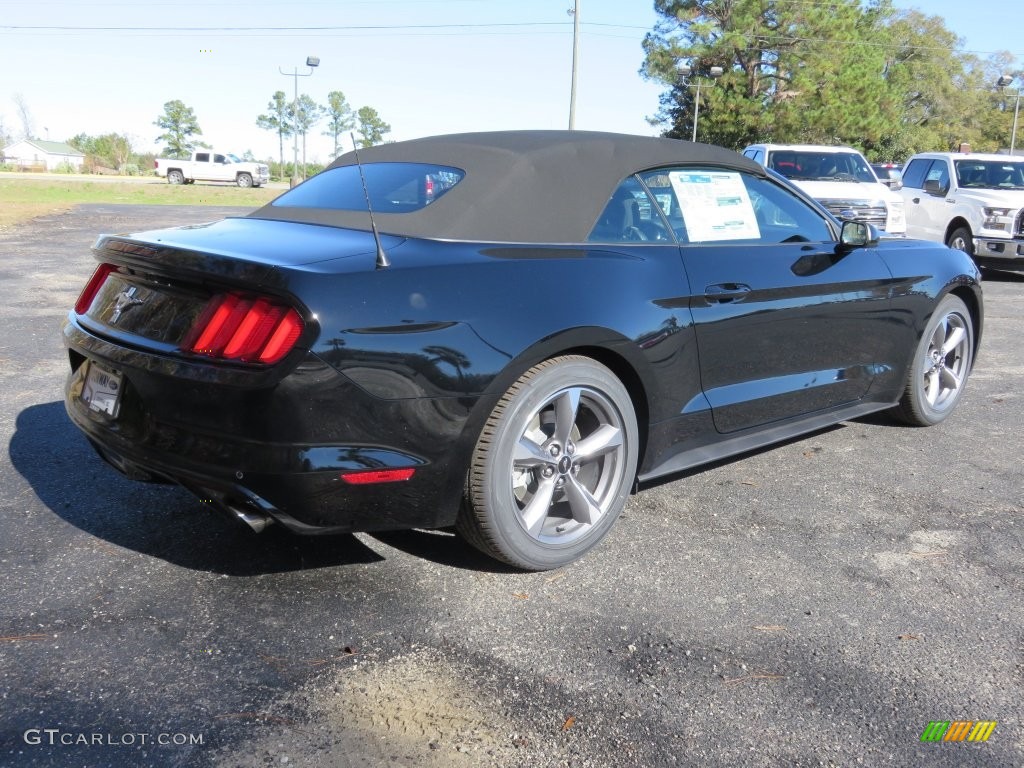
(758, 438)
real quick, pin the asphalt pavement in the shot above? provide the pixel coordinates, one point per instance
(815, 604)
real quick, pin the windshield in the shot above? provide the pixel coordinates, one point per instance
(989, 174)
(232, 158)
(821, 166)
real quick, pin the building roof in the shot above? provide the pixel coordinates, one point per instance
(49, 147)
(519, 186)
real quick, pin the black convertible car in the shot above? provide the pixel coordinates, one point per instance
(505, 332)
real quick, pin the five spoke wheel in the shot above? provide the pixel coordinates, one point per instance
(553, 466)
(564, 464)
(941, 365)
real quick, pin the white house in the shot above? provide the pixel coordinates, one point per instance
(28, 153)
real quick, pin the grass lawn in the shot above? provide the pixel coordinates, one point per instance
(23, 199)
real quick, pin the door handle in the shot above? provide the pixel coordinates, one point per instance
(725, 293)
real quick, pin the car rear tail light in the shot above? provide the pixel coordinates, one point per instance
(250, 330)
(373, 476)
(92, 288)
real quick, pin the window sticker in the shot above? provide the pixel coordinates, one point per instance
(715, 206)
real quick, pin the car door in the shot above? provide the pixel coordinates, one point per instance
(927, 212)
(786, 323)
(201, 166)
(221, 169)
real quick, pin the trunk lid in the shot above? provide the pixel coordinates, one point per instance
(160, 286)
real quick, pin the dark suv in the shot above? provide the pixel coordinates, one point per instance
(890, 174)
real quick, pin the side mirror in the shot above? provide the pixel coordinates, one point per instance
(857, 234)
(897, 181)
(933, 187)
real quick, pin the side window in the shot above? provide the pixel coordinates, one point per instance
(757, 156)
(629, 216)
(707, 205)
(913, 175)
(783, 217)
(938, 172)
(202, 157)
(218, 158)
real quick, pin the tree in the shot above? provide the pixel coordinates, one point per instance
(25, 115)
(180, 127)
(371, 127)
(5, 137)
(791, 71)
(277, 119)
(340, 118)
(111, 150)
(889, 81)
(307, 114)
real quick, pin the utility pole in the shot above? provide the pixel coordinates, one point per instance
(311, 62)
(575, 13)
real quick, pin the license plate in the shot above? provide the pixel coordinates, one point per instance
(102, 390)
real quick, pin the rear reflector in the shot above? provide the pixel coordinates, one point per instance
(250, 330)
(372, 476)
(92, 288)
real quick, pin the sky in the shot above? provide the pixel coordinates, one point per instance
(427, 66)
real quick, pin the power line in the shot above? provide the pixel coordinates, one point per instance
(530, 27)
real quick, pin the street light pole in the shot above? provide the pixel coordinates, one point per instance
(696, 113)
(575, 13)
(683, 72)
(311, 62)
(1002, 82)
(1013, 133)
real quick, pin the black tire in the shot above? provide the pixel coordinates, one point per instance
(941, 365)
(175, 176)
(244, 180)
(960, 239)
(553, 467)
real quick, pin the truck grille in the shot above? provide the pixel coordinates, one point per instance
(872, 212)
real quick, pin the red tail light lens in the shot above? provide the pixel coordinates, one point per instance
(92, 288)
(249, 330)
(374, 476)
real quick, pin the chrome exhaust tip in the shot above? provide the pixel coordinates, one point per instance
(255, 520)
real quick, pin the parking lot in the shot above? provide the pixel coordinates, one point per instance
(818, 603)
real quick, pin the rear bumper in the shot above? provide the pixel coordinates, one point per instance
(278, 451)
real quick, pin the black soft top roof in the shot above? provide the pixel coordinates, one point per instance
(520, 186)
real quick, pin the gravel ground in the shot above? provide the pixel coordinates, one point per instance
(816, 604)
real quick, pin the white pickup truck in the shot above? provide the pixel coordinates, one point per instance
(837, 177)
(212, 166)
(970, 201)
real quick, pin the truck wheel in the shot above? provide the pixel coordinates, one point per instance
(175, 177)
(244, 180)
(961, 240)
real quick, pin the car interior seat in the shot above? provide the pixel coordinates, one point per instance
(619, 219)
(1000, 176)
(973, 177)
